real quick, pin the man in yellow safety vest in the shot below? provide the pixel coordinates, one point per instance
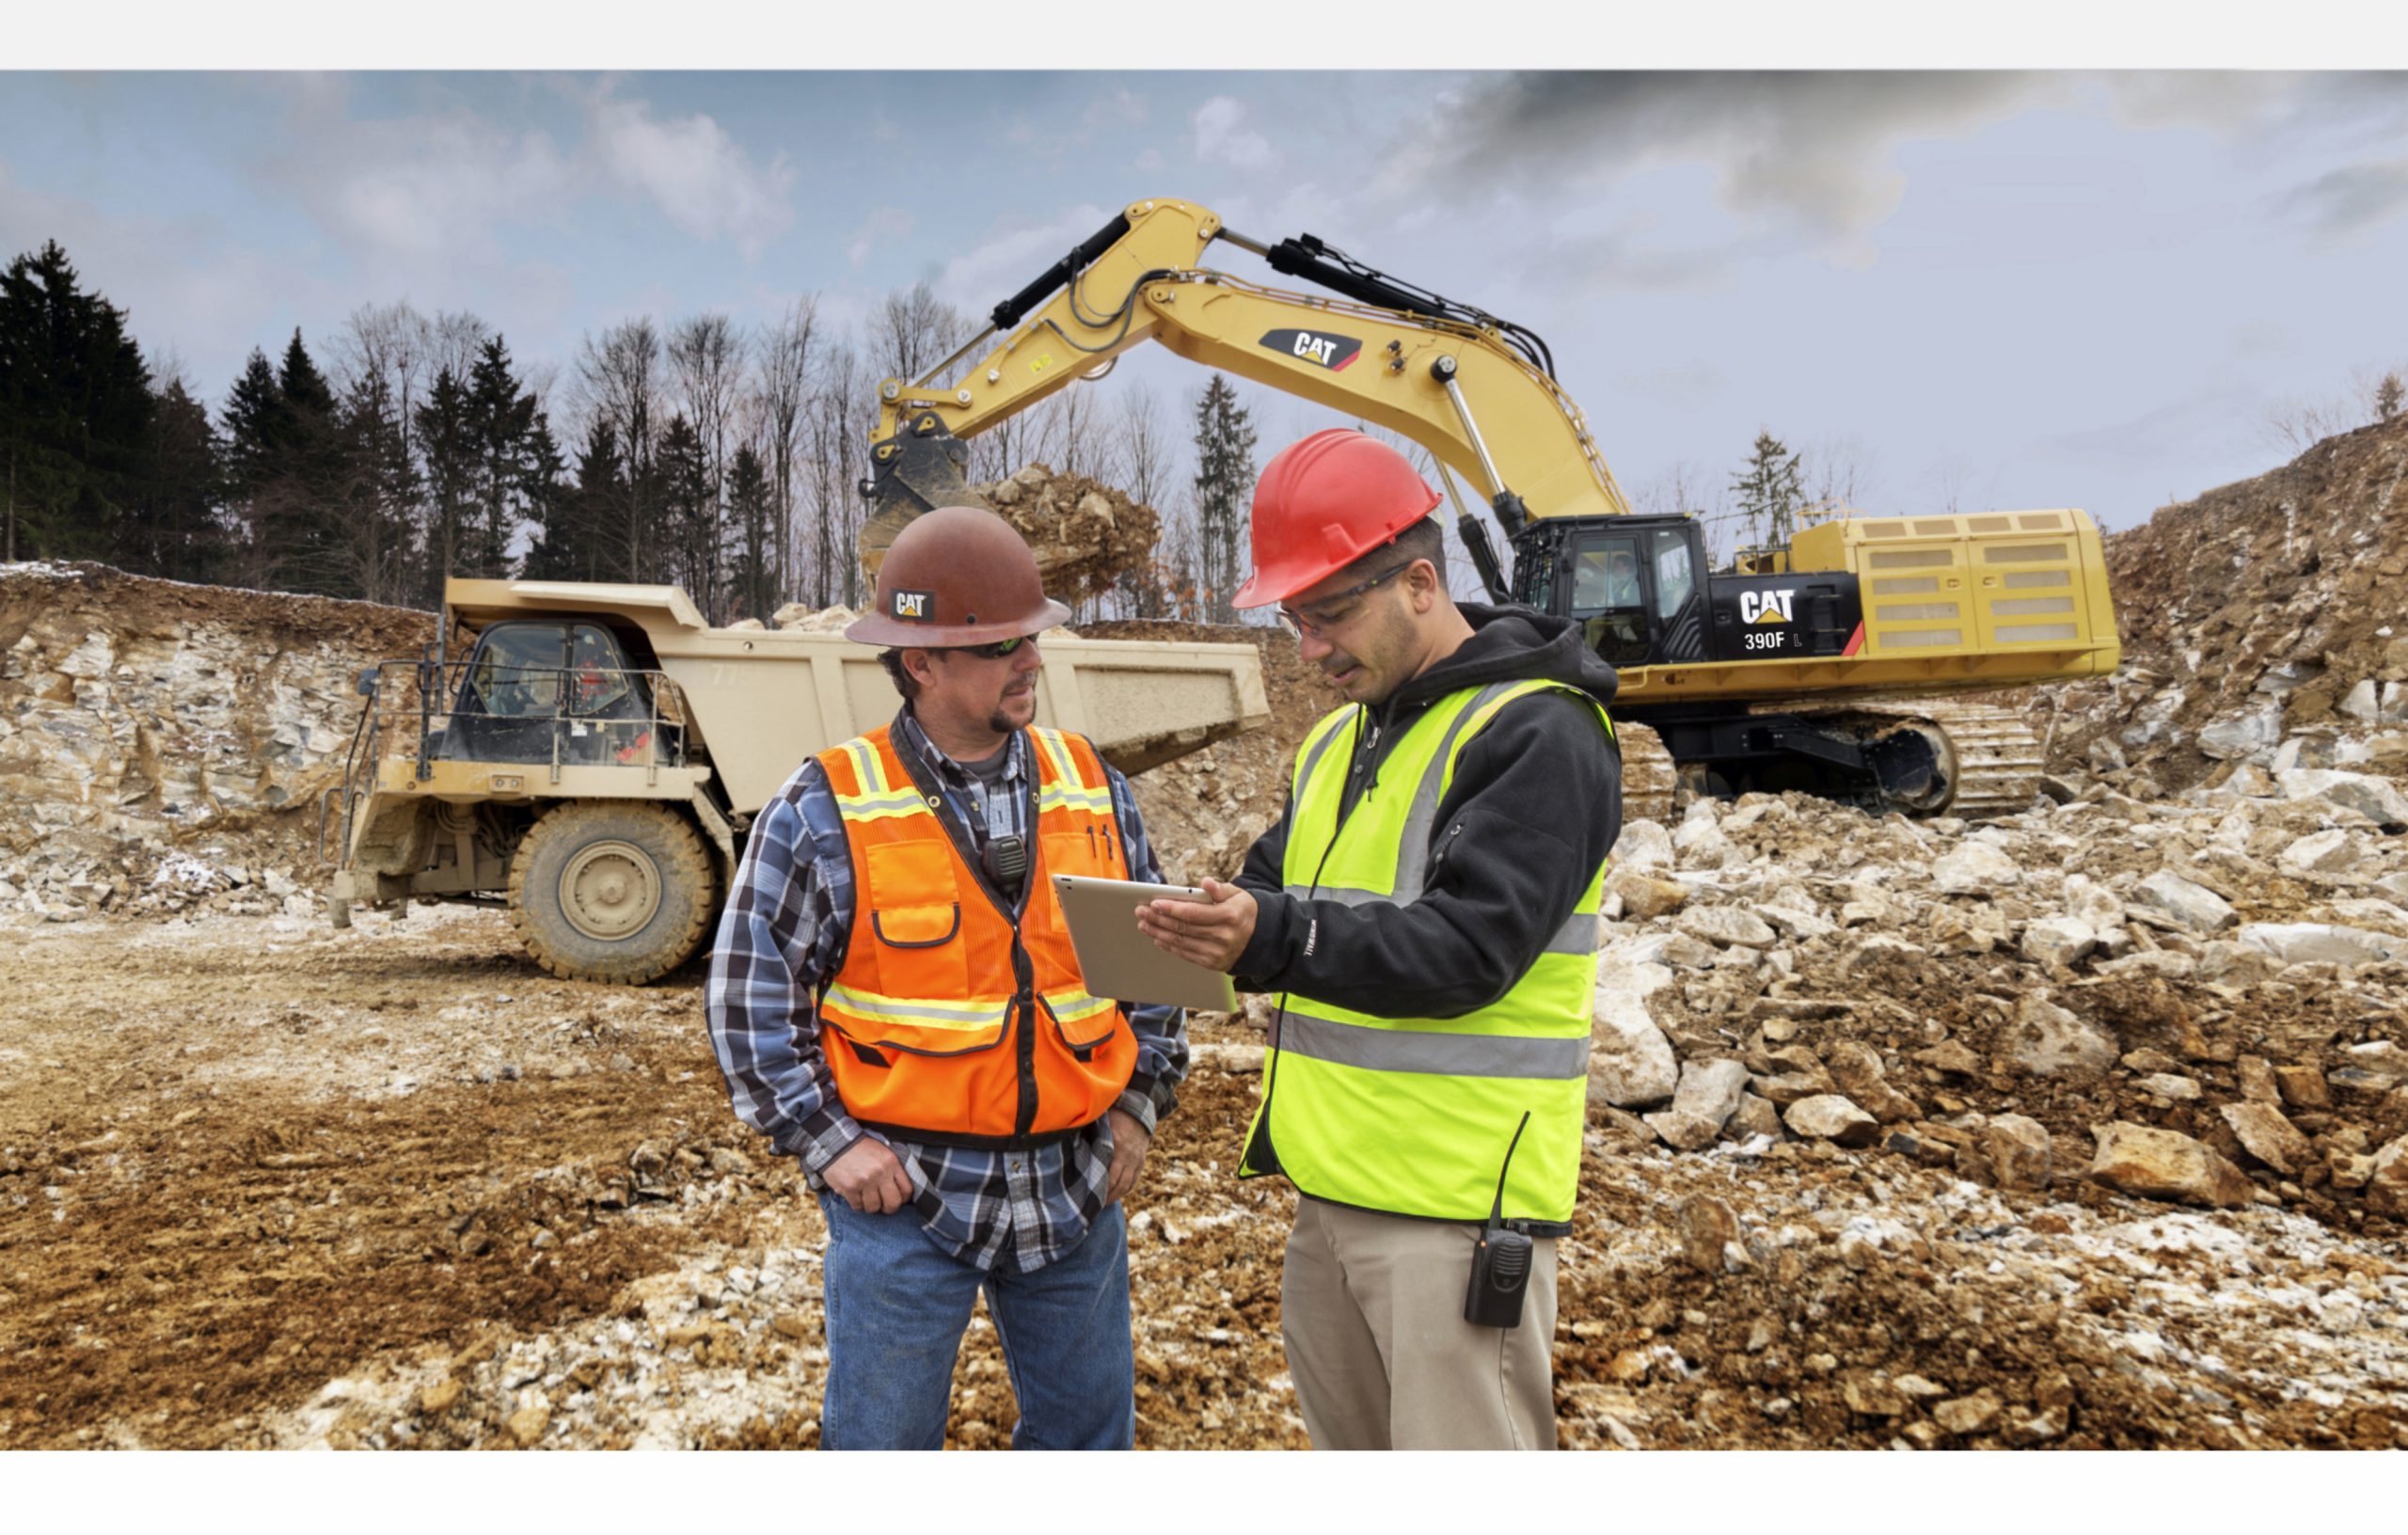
(1426, 909)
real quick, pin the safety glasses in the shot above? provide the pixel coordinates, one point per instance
(1324, 615)
(997, 650)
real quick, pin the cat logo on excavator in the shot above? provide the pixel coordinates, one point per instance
(1767, 607)
(1331, 352)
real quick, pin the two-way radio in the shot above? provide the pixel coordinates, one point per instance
(1500, 1262)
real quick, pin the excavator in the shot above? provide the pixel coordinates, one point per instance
(1822, 663)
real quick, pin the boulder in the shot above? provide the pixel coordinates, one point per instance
(2165, 1165)
(1975, 868)
(2049, 1041)
(1630, 1062)
(2319, 943)
(2058, 941)
(2019, 1150)
(1830, 1117)
(2302, 1087)
(2362, 702)
(1709, 1234)
(1643, 844)
(1753, 1116)
(2386, 1183)
(2195, 906)
(1709, 1091)
(1859, 1074)
(1726, 925)
(2377, 799)
(1644, 895)
(2324, 852)
(2244, 735)
(1795, 922)
(2265, 1134)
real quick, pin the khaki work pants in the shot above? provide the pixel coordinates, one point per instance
(1371, 1310)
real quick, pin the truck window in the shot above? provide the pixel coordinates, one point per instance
(518, 672)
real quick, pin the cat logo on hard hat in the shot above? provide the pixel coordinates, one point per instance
(915, 607)
(1317, 347)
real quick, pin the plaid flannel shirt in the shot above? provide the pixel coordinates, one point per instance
(782, 938)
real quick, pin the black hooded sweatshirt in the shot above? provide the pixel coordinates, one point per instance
(1536, 806)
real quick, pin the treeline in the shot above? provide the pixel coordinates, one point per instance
(407, 448)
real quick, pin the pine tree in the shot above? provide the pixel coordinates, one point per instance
(1770, 492)
(1224, 485)
(298, 508)
(689, 532)
(447, 451)
(253, 423)
(751, 568)
(2389, 396)
(576, 526)
(179, 534)
(75, 413)
(380, 489)
(500, 422)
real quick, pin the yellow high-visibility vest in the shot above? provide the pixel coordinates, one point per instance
(1413, 1116)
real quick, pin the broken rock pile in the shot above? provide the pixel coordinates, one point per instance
(2200, 1000)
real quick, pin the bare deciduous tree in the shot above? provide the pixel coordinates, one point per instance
(914, 330)
(706, 366)
(619, 386)
(787, 359)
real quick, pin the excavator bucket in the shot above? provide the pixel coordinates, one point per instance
(920, 469)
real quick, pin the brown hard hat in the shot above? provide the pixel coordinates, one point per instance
(958, 575)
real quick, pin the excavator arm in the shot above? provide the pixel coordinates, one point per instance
(1469, 388)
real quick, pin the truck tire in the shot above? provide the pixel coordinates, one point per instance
(614, 890)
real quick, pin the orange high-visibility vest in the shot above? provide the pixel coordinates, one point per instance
(949, 1019)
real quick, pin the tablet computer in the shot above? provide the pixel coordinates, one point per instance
(1120, 961)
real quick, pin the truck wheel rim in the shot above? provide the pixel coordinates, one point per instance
(610, 890)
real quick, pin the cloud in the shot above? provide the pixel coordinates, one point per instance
(695, 172)
(1816, 149)
(883, 224)
(999, 265)
(1221, 135)
(437, 183)
(1118, 110)
(2354, 198)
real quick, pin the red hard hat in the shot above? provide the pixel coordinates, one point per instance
(1324, 503)
(958, 575)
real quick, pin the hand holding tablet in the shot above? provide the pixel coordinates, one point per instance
(1112, 932)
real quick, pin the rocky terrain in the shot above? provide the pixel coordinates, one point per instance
(2082, 1127)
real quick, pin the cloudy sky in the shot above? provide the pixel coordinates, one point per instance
(1985, 289)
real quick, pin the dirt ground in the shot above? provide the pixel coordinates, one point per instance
(262, 1183)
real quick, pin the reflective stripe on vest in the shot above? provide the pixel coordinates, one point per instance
(1413, 1116)
(927, 992)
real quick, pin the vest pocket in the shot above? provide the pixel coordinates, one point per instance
(896, 925)
(914, 901)
(1083, 1033)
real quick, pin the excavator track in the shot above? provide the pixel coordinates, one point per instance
(1992, 758)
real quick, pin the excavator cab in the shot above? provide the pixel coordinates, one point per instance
(1633, 584)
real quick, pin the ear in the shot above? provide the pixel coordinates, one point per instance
(1420, 584)
(920, 666)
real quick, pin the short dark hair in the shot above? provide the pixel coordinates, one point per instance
(905, 684)
(1422, 541)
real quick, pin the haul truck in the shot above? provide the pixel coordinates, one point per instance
(592, 755)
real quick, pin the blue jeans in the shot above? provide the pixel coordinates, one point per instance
(897, 1307)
